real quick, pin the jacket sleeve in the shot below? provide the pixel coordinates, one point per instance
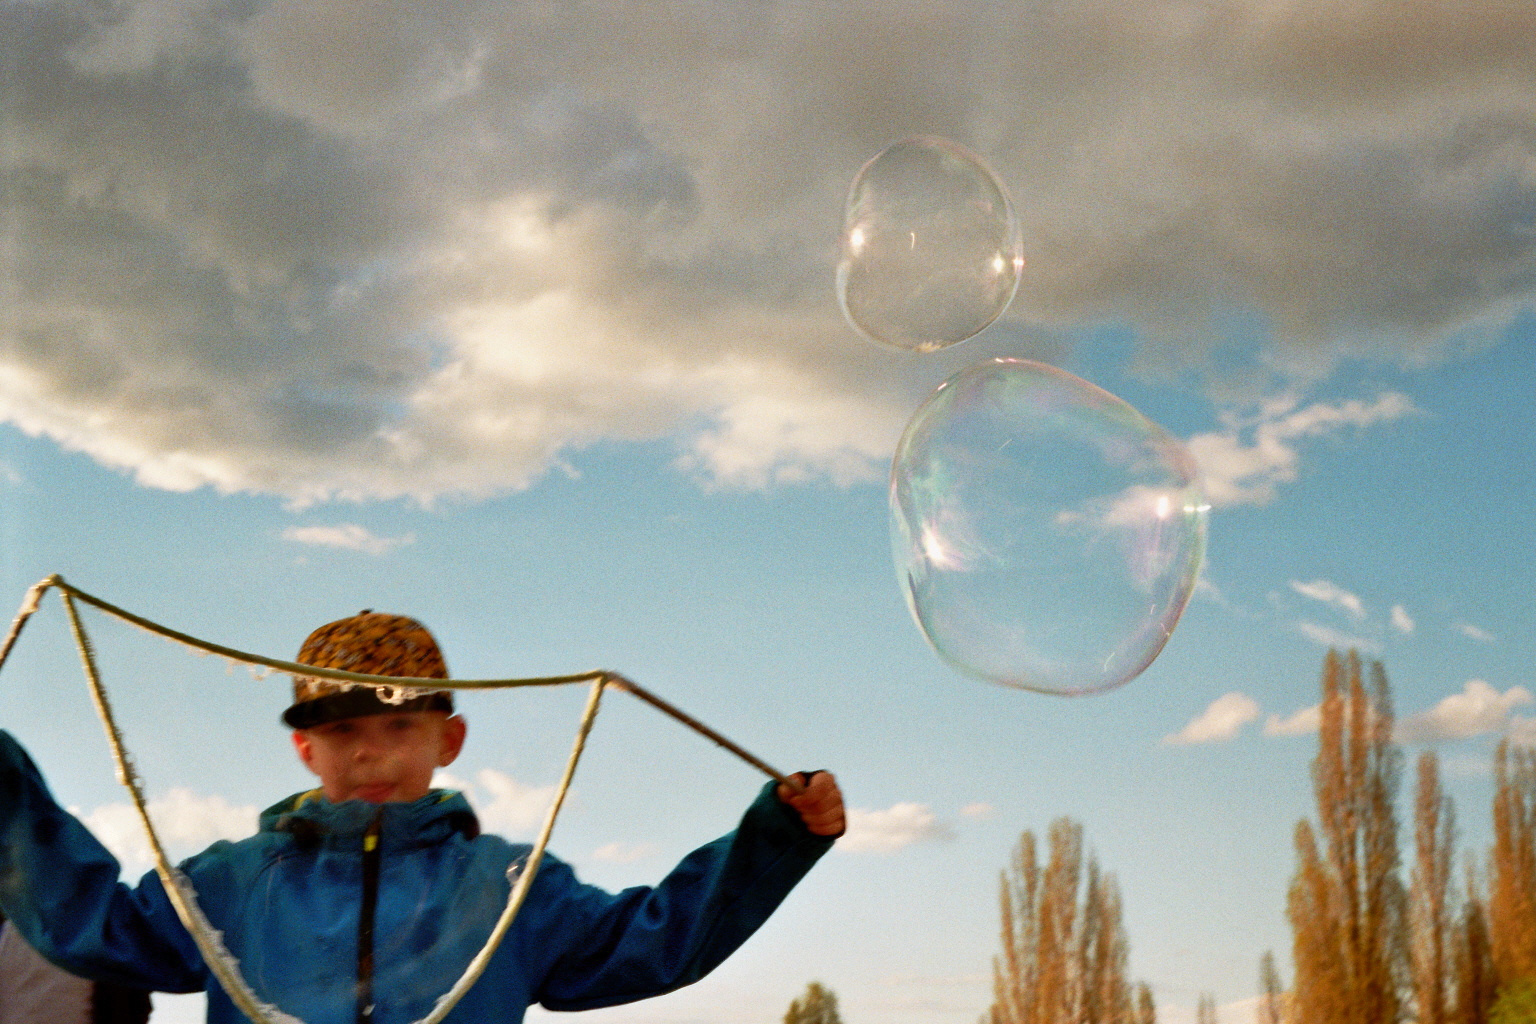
(644, 941)
(60, 889)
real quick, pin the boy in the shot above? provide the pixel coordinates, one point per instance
(362, 901)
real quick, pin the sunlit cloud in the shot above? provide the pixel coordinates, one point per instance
(1331, 593)
(1401, 620)
(895, 828)
(1298, 723)
(346, 536)
(1478, 710)
(281, 248)
(1220, 722)
(1247, 461)
(503, 804)
(186, 822)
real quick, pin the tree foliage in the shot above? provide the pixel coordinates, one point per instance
(1347, 901)
(817, 1006)
(1271, 1008)
(1512, 867)
(1430, 911)
(1063, 958)
(1472, 980)
(1366, 949)
(1146, 1007)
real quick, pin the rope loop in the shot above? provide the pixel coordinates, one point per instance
(178, 887)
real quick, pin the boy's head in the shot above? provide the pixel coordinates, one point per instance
(361, 746)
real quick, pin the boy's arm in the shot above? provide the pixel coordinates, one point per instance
(59, 887)
(642, 942)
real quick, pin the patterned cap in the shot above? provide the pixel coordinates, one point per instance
(371, 643)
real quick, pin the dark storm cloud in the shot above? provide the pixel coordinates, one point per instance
(384, 247)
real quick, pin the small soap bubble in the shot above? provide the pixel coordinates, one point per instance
(1047, 535)
(931, 250)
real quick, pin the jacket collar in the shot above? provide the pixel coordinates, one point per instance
(311, 819)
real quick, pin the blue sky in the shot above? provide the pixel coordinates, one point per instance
(524, 325)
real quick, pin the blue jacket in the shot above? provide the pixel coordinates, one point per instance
(292, 901)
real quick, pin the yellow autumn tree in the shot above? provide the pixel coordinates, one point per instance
(817, 1006)
(1146, 1007)
(1431, 914)
(1347, 901)
(1063, 957)
(1472, 988)
(1512, 867)
(1272, 997)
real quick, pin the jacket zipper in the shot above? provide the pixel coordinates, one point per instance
(365, 920)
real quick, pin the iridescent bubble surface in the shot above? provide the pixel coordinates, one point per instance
(931, 249)
(1047, 535)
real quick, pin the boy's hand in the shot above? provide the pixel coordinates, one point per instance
(820, 805)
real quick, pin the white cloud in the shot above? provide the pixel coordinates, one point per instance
(445, 779)
(979, 809)
(624, 853)
(1327, 636)
(1478, 710)
(186, 822)
(1221, 721)
(1331, 593)
(1401, 620)
(373, 248)
(1245, 463)
(503, 804)
(514, 808)
(1298, 723)
(1522, 731)
(898, 826)
(347, 536)
(1476, 633)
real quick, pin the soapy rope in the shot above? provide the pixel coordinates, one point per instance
(178, 887)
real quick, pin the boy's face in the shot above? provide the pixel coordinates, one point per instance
(385, 758)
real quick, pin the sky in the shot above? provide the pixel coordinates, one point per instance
(520, 319)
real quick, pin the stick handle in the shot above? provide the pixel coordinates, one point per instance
(629, 686)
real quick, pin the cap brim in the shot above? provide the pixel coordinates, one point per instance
(358, 703)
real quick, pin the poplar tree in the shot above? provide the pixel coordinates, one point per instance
(1430, 914)
(1271, 1009)
(817, 1006)
(1512, 867)
(1347, 903)
(1063, 957)
(1205, 1012)
(1471, 960)
(1146, 1008)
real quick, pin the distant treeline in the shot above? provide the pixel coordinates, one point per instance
(1453, 942)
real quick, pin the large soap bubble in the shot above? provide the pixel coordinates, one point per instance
(1047, 535)
(931, 249)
